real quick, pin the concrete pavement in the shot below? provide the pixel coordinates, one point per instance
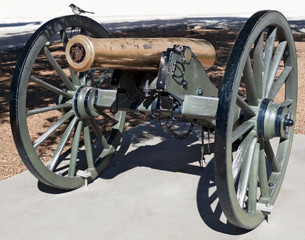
(153, 189)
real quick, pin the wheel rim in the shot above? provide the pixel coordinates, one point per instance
(251, 152)
(52, 149)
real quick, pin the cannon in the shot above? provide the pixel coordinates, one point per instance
(78, 83)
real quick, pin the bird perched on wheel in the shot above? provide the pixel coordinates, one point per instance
(77, 10)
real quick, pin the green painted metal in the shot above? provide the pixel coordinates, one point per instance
(181, 79)
(64, 95)
(198, 95)
(251, 153)
(200, 107)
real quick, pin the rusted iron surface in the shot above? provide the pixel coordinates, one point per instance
(83, 52)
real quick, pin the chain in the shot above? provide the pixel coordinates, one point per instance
(202, 159)
(185, 135)
(208, 131)
(176, 135)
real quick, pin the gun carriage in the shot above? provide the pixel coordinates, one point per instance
(165, 77)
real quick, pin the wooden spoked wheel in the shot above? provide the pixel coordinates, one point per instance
(60, 142)
(255, 117)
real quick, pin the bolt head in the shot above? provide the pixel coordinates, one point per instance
(288, 122)
(200, 92)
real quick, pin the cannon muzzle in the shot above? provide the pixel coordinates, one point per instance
(143, 54)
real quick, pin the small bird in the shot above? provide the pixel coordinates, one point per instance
(76, 10)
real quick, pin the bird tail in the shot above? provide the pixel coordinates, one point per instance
(89, 12)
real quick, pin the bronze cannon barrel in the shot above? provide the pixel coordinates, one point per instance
(144, 54)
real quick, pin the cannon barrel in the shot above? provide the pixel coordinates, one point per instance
(143, 54)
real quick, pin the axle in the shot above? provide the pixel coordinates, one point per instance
(91, 101)
(141, 54)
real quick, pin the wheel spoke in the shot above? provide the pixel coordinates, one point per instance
(64, 38)
(278, 55)
(71, 31)
(244, 175)
(258, 65)
(88, 147)
(50, 87)
(101, 78)
(90, 76)
(279, 82)
(262, 174)
(252, 191)
(270, 156)
(242, 129)
(241, 155)
(58, 69)
(282, 151)
(286, 103)
(237, 114)
(250, 83)
(84, 31)
(112, 119)
(99, 134)
(62, 143)
(74, 151)
(49, 108)
(245, 106)
(107, 152)
(119, 125)
(268, 56)
(74, 76)
(82, 78)
(52, 129)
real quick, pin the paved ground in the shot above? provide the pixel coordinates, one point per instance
(153, 190)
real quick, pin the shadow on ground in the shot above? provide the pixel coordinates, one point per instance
(18, 39)
(173, 156)
(176, 156)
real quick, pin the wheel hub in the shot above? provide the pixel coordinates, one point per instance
(274, 120)
(83, 102)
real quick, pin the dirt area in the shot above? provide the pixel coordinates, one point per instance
(10, 162)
